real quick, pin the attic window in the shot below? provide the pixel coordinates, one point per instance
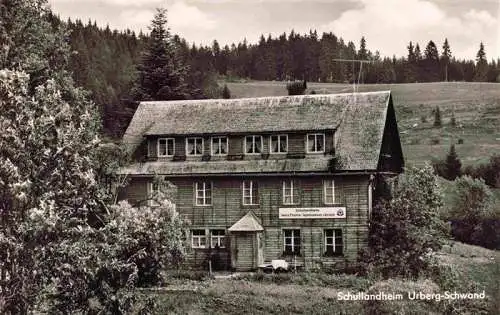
(219, 146)
(316, 143)
(194, 146)
(253, 144)
(165, 147)
(279, 144)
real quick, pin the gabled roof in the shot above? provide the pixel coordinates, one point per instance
(357, 118)
(248, 223)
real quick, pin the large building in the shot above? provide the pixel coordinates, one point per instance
(268, 178)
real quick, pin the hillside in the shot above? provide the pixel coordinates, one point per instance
(476, 107)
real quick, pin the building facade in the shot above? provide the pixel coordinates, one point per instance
(268, 178)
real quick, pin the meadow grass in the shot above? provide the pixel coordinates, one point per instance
(473, 268)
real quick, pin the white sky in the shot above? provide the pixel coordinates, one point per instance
(388, 25)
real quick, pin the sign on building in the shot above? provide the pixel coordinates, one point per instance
(312, 213)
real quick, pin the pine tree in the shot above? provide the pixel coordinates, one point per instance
(452, 164)
(161, 74)
(431, 62)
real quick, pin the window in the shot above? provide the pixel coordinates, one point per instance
(194, 146)
(203, 193)
(291, 242)
(253, 144)
(290, 192)
(166, 147)
(250, 192)
(279, 144)
(219, 146)
(316, 143)
(333, 242)
(198, 239)
(329, 191)
(217, 238)
(153, 189)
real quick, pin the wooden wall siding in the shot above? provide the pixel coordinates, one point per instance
(136, 191)
(152, 150)
(235, 145)
(180, 146)
(329, 142)
(227, 208)
(296, 143)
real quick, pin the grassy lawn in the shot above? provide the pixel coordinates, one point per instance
(317, 293)
(476, 107)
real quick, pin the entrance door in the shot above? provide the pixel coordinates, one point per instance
(244, 251)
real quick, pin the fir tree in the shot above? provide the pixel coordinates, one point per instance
(437, 117)
(161, 74)
(452, 164)
(445, 57)
(226, 93)
(481, 71)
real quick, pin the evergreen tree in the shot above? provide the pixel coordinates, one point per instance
(431, 62)
(481, 70)
(452, 164)
(226, 93)
(445, 57)
(161, 74)
(437, 117)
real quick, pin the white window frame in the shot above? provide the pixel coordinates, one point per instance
(292, 239)
(254, 137)
(315, 136)
(195, 141)
(166, 147)
(201, 193)
(279, 142)
(201, 240)
(250, 192)
(289, 191)
(331, 240)
(326, 192)
(219, 239)
(219, 144)
(150, 192)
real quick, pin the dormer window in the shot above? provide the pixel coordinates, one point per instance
(253, 144)
(278, 144)
(316, 143)
(194, 146)
(219, 146)
(165, 147)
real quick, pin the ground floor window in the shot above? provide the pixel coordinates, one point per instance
(333, 242)
(291, 242)
(218, 238)
(198, 239)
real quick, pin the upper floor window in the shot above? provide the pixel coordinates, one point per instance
(316, 143)
(290, 192)
(253, 144)
(250, 192)
(219, 146)
(291, 241)
(333, 242)
(198, 239)
(203, 193)
(165, 147)
(278, 144)
(217, 238)
(194, 146)
(329, 191)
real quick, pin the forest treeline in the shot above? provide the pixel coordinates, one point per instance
(106, 62)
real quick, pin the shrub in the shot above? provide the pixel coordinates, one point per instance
(490, 172)
(423, 119)
(296, 87)
(453, 120)
(473, 217)
(407, 229)
(460, 141)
